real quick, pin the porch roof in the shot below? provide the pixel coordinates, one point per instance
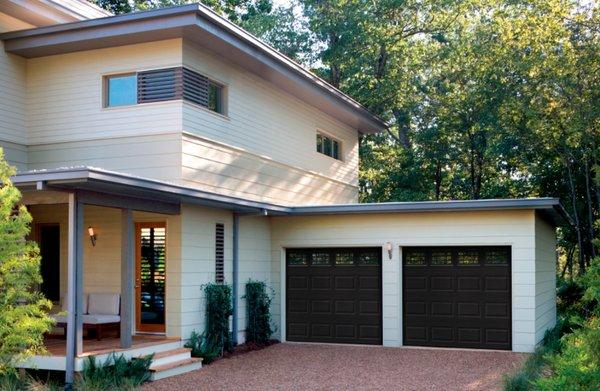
(99, 186)
(99, 183)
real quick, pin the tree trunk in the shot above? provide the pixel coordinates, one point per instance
(589, 208)
(438, 180)
(576, 217)
(403, 123)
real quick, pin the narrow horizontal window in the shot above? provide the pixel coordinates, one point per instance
(121, 90)
(328, 146)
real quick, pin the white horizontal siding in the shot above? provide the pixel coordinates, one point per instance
(65, 94)
(545, 277)
(13, 73)
(154, 156)
(266, 121)
(15, 154)
(219, 168)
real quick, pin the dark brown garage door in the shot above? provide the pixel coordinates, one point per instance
(334, 295)
(457, 297)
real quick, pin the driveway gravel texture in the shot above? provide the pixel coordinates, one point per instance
(291, 366)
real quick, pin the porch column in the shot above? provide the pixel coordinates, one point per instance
(74, 287)
(127, 268)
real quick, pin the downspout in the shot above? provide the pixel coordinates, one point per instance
(235, 278)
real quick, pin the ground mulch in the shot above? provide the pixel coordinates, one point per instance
(289, 366)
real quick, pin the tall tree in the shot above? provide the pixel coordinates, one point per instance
(23, 310)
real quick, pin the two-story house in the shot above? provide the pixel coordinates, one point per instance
(159, 151)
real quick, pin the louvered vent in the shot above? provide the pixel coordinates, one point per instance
(159, 85)
(219, 253)
(195, 87)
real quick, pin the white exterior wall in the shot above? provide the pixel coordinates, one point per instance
(13, 72)
(545, 277)
(151, 156)
(510, 228)
(264, 147)
(65, 92)
(254, 262)
(197, 265)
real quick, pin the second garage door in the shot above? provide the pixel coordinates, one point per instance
(334, 295)
(457, 297)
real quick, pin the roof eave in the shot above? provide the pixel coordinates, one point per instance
(217, 35)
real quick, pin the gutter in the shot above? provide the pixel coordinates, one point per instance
(235, 277)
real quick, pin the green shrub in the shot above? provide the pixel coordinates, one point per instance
(116, 373)
(217, 336)
(577, 367)
(524, 379)
(206, 348)
(258, 303)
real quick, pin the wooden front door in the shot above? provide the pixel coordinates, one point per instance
(150, 281)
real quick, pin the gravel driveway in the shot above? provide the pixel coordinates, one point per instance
(290, 366)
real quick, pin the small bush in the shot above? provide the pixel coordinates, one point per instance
(217, 336)
(116, 373)
(258, 303)
(206, 348)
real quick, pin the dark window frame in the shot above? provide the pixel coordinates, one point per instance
(329, 146)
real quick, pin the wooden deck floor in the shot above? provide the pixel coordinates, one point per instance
(56, 346)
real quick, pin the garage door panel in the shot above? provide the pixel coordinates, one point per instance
(298, 306)
(442, 334)
(441, 283)
(343, 295)
(468, 310)
(345, 283)
(497, 310)
(457, 297)
(415, 308)
(297, 283)
(320, 283)
(442, 308)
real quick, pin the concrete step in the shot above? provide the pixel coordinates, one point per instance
(171, 356)
(175, 368)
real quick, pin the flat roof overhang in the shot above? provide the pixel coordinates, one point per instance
(98, 183)
(202, 26)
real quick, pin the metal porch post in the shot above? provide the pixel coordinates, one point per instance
(74, 288)
(127, 277)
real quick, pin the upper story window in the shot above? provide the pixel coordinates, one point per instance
(328, 146)
(162, 85)
(121, 90)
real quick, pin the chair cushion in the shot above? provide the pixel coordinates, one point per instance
(64, 306)
(101, 319)
(103, 304)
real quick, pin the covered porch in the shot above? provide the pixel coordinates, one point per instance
(115, 232)
(104, 266)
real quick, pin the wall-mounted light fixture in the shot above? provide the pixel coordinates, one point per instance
(92, 235)
(388, 247)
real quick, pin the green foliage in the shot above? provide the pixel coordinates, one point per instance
(23, 311)
(208, 348)
(116, 373)
(14, 382)
(524, 379)
(218, 310)
(258, 303)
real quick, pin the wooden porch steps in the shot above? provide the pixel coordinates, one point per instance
(173, 362)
